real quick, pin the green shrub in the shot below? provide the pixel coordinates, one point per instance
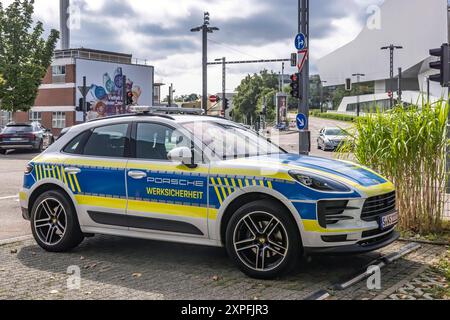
(334, 116)
(409, 147)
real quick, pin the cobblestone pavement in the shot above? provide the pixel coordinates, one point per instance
(117, 268)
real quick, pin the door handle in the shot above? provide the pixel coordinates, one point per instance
(137, 175)
(72, 170)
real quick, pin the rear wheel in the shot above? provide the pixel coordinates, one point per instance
(263, 240)
(54, 223)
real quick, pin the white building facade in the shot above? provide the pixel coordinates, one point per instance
(417, 26)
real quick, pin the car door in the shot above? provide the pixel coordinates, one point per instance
(94, 172)
(165, 197)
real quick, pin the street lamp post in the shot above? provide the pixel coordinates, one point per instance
(358, 99)
(205, 29)
(391, 49)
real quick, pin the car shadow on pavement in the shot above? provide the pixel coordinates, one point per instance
(177, 271)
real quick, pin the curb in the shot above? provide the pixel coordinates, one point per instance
(15, 240)
(435, 243)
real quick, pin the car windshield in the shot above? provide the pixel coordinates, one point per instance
(18, 129)
(230, 141)
(335, 132)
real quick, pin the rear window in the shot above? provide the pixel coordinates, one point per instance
(18, 129)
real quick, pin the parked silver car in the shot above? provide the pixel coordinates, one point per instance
(331, 138)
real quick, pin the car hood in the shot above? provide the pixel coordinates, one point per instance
(336, 138)
(346, 170)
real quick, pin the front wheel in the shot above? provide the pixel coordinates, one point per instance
(54, 223)
(263, 240)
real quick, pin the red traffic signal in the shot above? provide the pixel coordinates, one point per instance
(213, 99)
(390, 94)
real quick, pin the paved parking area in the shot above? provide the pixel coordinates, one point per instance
(117, 268)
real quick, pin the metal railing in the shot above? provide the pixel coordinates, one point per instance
(99, 56)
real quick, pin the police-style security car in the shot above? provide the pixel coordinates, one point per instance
(206, 181)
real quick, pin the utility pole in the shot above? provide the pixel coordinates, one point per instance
(428, 90)
(358, 103)
(399, 93)
(303, 107)
(282, 76)
(224, 83)
(391, 49)
(205, 29)
(321, 95)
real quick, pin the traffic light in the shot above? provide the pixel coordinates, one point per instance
(79, 107)
(348, 84)
(295, 87)
(129, 98)
(443, 53)
(227, 104)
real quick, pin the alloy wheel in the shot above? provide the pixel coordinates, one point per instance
(50, 222)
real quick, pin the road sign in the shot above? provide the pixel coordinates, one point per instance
(84, 90)
(302, 121)
(300, 41)
(303, 55)
(213, 99)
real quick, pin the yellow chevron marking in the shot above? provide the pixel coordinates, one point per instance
(72, 187)
(63, 172)
(240, 184)
(233, 181)
(261, 183)
(77, 184)
(213, 182)
(54, 172)
(59, 173)
(247, 183)
(223, 189)
(269, 184)
(36, 171)
(227, 183)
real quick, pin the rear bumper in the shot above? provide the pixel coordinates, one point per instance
(25, 146)
(359, 248)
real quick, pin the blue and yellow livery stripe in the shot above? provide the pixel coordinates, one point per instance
(56, 172)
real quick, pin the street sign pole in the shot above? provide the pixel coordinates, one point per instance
(84, 100)
(124, 92)
(303, 107)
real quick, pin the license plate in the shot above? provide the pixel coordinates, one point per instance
(16, 139)
(389, 220)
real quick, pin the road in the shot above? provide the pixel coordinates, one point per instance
(12, 167)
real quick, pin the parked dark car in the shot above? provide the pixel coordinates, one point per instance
(25, 136)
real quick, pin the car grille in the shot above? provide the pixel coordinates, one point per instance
(331, 212)
(376, 207)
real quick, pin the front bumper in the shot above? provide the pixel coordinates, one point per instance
(363, 246)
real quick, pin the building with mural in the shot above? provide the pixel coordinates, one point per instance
(59, 96)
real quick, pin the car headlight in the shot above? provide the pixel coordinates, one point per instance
(318, 183)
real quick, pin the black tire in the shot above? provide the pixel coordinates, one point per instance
(41, 147)
(3, 151)
(62, 241)
(272, 211)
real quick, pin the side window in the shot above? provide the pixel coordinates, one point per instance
(76, 145)
(155, 141)
(107, 141)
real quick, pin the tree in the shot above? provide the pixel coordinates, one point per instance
(249, 94)
(24, 55)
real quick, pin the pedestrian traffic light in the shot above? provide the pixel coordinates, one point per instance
(129, 98)
(348, 84)
(443, 65)
(295, 86)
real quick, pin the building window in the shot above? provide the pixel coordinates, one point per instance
(5, 117)
(58, 74)
(58, 70)
(35, 116)
(59, 120)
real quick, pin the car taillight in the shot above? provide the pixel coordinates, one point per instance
(29, 169)
(31, 136)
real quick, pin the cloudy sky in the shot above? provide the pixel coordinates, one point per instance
(159, 31)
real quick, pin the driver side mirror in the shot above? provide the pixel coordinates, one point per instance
(182, 155)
